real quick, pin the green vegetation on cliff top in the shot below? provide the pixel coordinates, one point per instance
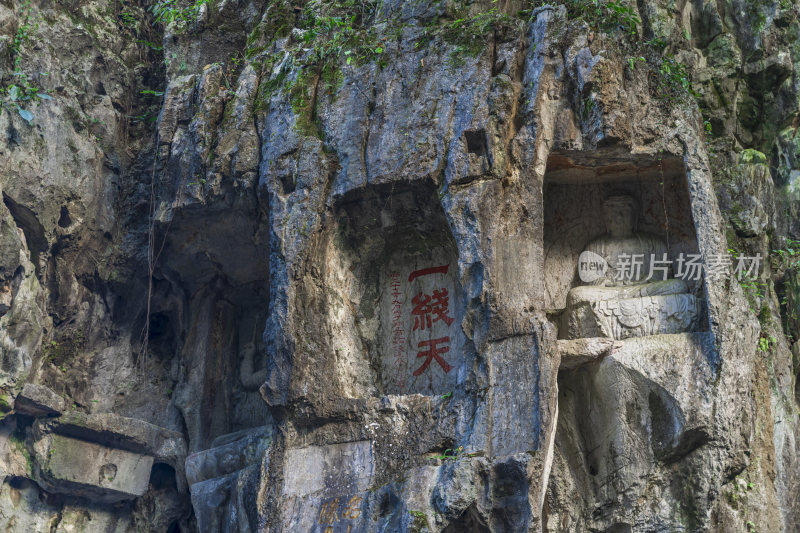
(20, 90)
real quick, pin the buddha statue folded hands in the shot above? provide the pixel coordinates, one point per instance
(630, 293)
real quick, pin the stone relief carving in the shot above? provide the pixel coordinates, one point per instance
(250, 378)
(626, 298)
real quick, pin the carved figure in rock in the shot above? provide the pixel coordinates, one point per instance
(250, 378)
(632, 296)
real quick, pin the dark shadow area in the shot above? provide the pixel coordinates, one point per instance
(469, 522)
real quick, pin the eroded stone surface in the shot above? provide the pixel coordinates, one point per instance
(336, 468)
(661, 417)
(577, 352)
(226, 503)
(85, 469)
(490, 154)
(242, 450)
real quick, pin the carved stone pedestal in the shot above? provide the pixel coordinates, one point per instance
(633, 317)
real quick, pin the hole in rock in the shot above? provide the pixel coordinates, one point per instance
(389, 502)
(26, 220)
(162, 334)
(663, 424)
(288, 183)
(159, 325)
(509, 480)
(476, 142)
(108, 473)
(286, 171)
(510, 506)
(445, 447)
(620, 248)
(394, 299)
(20, 483)
(64, 221)
(12, 135)
(162, 476)
(174, 528)
(619, 528)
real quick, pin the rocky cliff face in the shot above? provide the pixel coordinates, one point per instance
(273, 266)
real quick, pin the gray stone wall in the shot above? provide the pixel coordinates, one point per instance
(222, 238)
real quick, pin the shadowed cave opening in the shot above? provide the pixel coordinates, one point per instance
(208, 310)
(27, 221)
(393, 293)
(578, 197)
(162, 476)
(469, 522)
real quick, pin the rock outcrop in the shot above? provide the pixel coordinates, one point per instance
(311, 266)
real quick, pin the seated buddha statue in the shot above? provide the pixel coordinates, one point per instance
(632, 295)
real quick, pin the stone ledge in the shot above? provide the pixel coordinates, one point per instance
(77, 468)
(38, 400)
(578, 352)
(111, 430)
(121, 433)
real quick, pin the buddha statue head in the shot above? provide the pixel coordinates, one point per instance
(620, 214)
(626, 252)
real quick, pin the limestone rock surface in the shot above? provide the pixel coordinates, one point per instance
(305, 266)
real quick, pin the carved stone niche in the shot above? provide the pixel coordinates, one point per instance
(619, 242)
(394, 300)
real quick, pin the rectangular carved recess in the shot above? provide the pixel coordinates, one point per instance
(396, 274)
(581, 193)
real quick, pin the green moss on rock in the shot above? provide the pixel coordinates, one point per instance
(752, 156)
(5, 406)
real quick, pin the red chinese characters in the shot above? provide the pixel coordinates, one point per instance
(427, 311)
(398, 333)
(433, 352)
(427, 306)
(427, 271)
